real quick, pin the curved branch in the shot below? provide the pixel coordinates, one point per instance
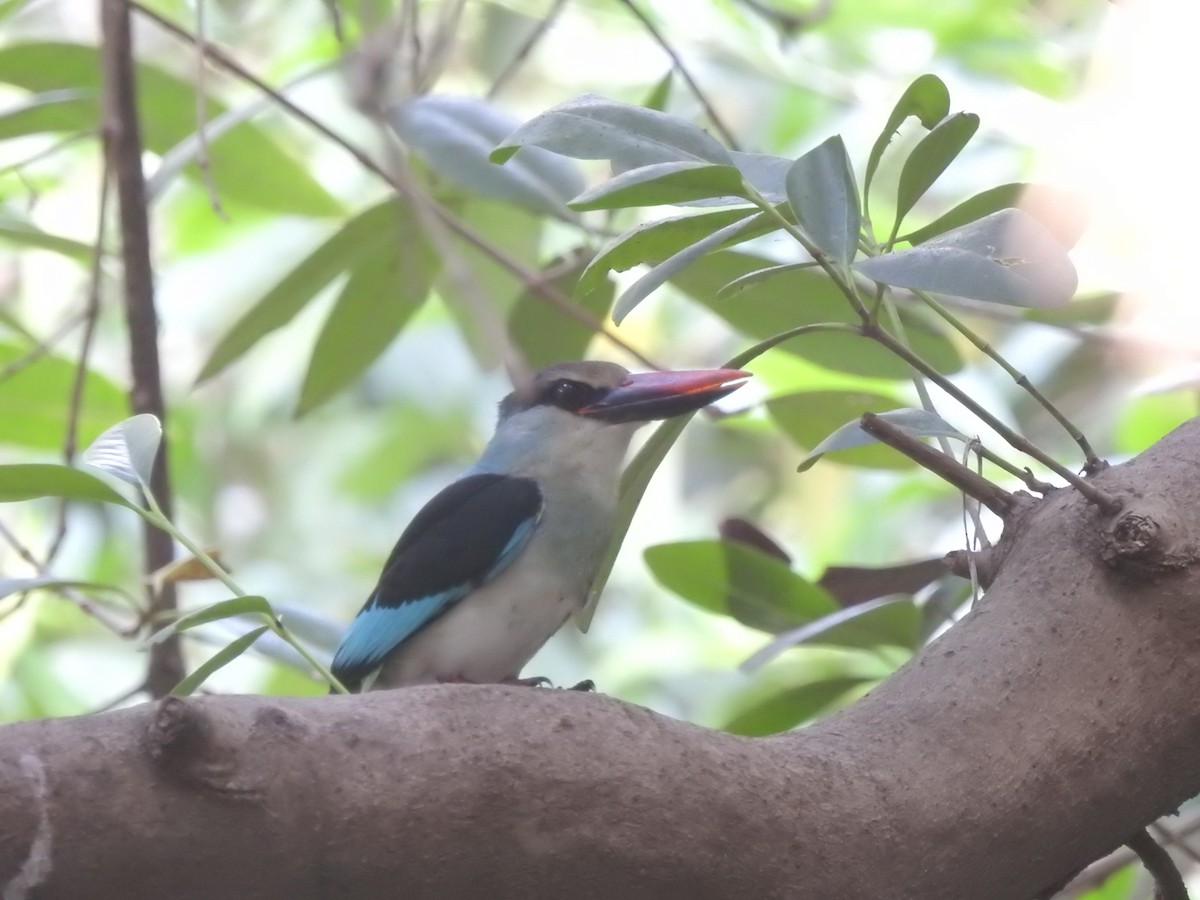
(993, 766)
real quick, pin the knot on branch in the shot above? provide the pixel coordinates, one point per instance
(987, 564)
(1140, 543)
(191, 746)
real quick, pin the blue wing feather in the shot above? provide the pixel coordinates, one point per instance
(464, 537)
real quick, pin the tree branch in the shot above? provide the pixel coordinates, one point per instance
(1167, 880)
(942, 465)
(123, 148)
(992, 766)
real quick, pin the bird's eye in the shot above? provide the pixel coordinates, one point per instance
(570, 395)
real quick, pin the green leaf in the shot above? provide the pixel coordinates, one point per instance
(917, 422)
(982, 204)
(766, 173)
(32, 480)
(1007, 257)
(930, 158)
(218, 660)
(454, 135)
(890, 621)
(127, 450)
(592, 127)
(808, 417)
(750, 279)
(634, 481)
(926, 98)
(383, 291)
(1046, 204)
(739, 581)
(672, 265)
(224, 609)
(354, 241)
(246, 163)
(34, 400)
(546, 335)
(652, 242)
(793, 297)
(660, 94)
(54, 582)
(823, 195)
(18, 231)
(477, 280)
(50, 111)
(794, 706)
(663, 183)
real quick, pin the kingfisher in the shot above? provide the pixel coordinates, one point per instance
(497, 562)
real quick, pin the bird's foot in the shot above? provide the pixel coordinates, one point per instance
(535, 681)
(541, 681)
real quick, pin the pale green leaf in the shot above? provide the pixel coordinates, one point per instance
(218, 660)
(662, 183)
(592, 127)
(915, 422)
(383, 291)
(127, 450)
(29, 481)
(1008, 257)
(454, 135)
(824, 198)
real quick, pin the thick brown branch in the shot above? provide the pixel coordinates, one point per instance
(993, 766)
(123, 146)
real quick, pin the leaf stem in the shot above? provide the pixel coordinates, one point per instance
(1100, 498)
(1093, 461)
(833, 271)
(154, 515)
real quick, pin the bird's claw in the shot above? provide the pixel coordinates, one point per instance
(533, 681)
(542, 681)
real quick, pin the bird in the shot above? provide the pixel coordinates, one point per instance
(490, 568)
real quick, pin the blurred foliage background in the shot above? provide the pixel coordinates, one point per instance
(304, 439)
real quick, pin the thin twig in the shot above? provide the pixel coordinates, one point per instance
(1090, 457)
(335, 21)
(85, 605)
(535, 35)
(1167, 880)
(940, 464)
(123, 146)
(677, 62)
(1025, 475)
(45, 152)
(79, 380)
(203, 160)
(41, 348)
(788, 22)
(1102, 869)
(546, 292)
(1102, 499)
(1166, 836)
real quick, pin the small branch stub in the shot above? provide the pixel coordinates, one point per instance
(1140, 543)
(946, 467)
(185, 742)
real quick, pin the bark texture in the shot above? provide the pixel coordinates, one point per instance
(1038, 734)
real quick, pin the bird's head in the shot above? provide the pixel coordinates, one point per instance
(581, 415)
(608, 394)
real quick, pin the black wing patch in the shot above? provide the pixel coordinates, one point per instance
(457, 537)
